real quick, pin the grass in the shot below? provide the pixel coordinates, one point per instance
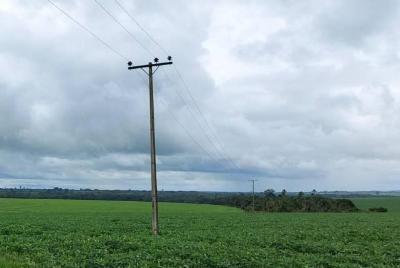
(71, 233)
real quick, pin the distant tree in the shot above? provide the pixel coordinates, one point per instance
(300, 194)
(269, 193)
(284, 192)
(314, 192)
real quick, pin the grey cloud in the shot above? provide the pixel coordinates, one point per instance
(312, 104)
(352, 22)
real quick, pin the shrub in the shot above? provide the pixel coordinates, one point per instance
(379, 209)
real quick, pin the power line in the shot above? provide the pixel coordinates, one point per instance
(194, 116)
(88, 31)
(183, 127)
(123, 27)
(210, 155)
(102, 147)
(147, 50)
(205, 120)
(141, 28)
(136, 40)
(218, 148)
(190, 135)
(166, 52)
(125, 58)
(179, 123)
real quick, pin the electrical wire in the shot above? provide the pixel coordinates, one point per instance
(204, 118)
(197, 121)
(141, 28)
(135, 39)
(88, 31)
(184, 128)
(123, 27)
(126, 58)
(186, 87)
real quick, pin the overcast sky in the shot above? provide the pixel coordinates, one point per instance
(296, 94)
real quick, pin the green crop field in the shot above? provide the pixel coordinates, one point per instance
(69, 233)
(391, 203)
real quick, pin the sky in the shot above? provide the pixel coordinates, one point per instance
(298, 95)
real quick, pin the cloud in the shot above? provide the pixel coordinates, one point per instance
(354, 22)
(301, 95)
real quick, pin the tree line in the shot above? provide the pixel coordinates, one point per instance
(268, 201)
(301, 202)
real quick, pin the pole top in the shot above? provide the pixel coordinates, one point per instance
(131, 67)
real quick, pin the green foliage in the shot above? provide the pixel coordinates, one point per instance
(283, 193)
(72, 233)
(269, 193)
(300, 203)
(9, 262)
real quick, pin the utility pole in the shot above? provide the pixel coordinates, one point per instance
(154, 199)
(253, 193)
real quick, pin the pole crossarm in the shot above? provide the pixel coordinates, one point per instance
(148, 65)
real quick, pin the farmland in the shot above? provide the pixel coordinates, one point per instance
(72, 233)
(391, 203)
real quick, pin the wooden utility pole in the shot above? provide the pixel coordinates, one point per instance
(154, 198)
(253, 194)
